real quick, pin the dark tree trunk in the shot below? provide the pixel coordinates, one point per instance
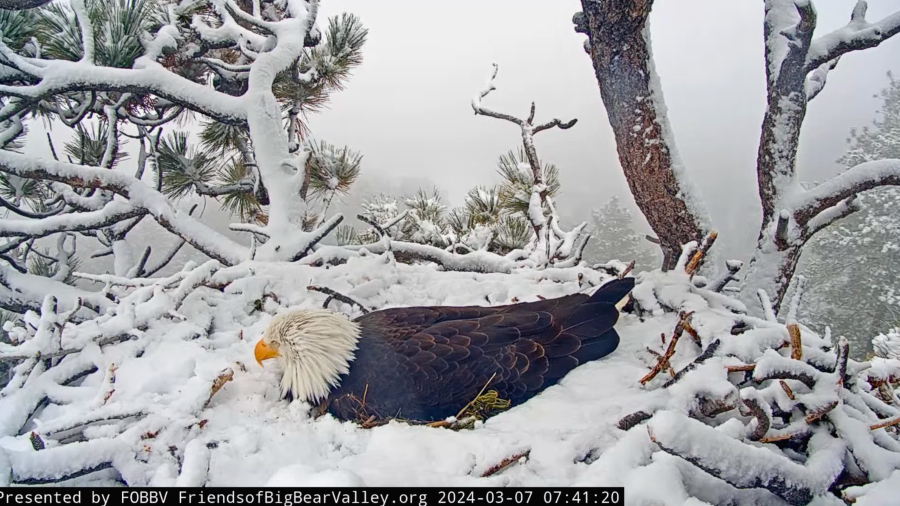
(619, 48)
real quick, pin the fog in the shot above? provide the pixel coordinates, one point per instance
(407, 108)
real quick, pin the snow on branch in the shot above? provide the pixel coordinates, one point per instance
(60, 76)
(862, 177)
(858, 34)
(139, 195)
(745, 466)
(113, 213)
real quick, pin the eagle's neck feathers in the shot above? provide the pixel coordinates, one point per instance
(316, 348)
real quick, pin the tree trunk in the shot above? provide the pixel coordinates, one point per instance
(771, 268)
(619, 46)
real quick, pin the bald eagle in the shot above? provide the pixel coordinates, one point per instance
(426, 363)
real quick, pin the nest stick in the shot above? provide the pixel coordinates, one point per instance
(706, 355)
(339, 296)
(628, 269)
(763, 423)
(224, 377)
(787, 389)
(887, 423)
(701, 252)
(796, 345)
(816, 415)
(505, 463)
(663, 362)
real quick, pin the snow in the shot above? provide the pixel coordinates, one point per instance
(186, 334)
(882, 493)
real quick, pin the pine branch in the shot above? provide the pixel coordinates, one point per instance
(142, 198)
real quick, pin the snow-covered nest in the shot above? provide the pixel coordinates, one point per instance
(163, 390)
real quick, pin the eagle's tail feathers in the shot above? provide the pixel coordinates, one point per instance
(614, 291)
(598, 347)
(591, 319)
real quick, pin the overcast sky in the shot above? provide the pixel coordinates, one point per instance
(407, 107)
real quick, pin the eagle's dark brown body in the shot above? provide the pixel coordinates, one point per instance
(427, 363)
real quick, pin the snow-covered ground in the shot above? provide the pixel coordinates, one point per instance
(151, 415)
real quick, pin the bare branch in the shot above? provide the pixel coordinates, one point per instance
(339, 296)
(480, 109)
(555, 123)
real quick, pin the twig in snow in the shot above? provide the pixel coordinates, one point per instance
(381, 232)
(220, 381)
(66, 477)
(690, 330)
(886, 423)
(787, 389)
(796, 344)
(732, 267)
(92, 418)
(762, 418)
(36, 442)
(505, 463)
(817, 414)
(629, 421)
(843, 352)
(112, 383)
(339, 296)
(794, 305)
(740, 368)
(664, 360)
(706, 355)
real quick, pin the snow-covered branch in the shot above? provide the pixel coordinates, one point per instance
(20, 293)
(60, 76)
(476, 261)
(139, 195)
(18, 5)
(857, 179)
(113, 213)
(858, 34)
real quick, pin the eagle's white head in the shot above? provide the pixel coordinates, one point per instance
(314, 346)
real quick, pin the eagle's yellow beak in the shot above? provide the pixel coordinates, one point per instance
(263, 352)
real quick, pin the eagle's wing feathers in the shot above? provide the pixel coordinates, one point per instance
(445, 355)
